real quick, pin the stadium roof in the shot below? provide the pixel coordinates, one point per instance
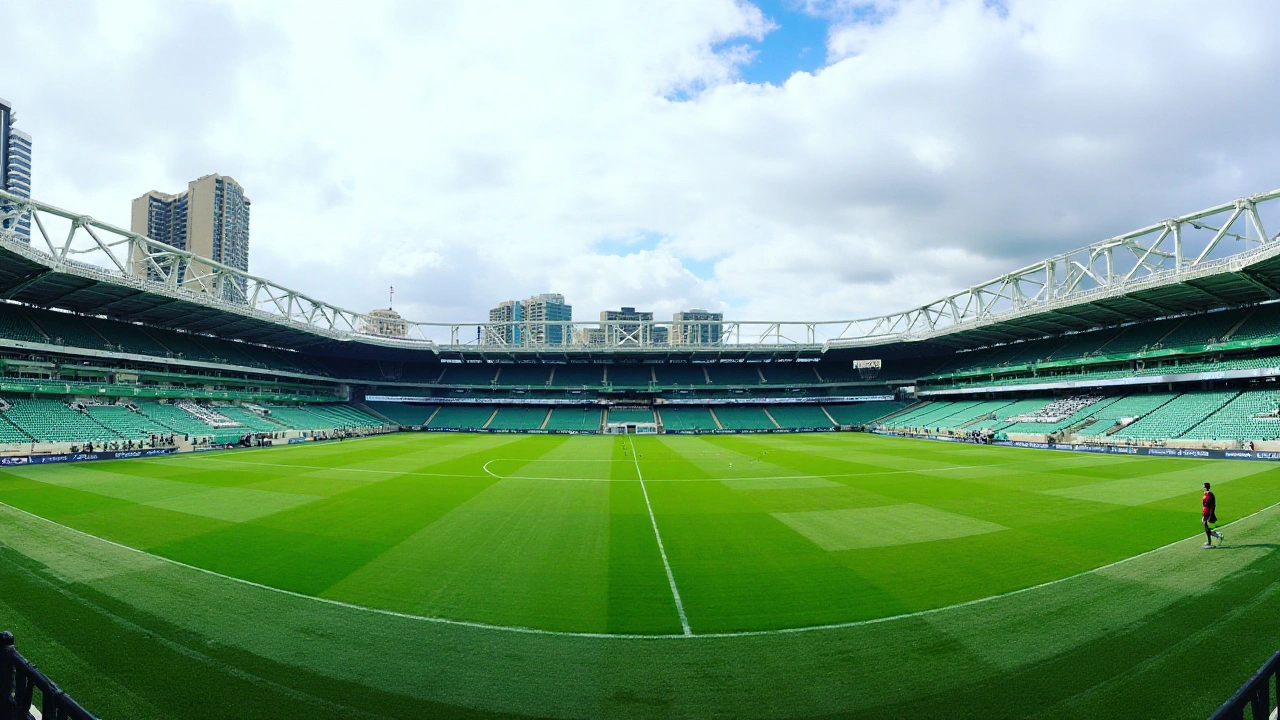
(1212, 258)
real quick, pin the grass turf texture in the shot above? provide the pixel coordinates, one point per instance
(762, 534)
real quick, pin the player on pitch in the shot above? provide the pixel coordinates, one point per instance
(1209, 515)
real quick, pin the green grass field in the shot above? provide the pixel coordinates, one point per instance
(808, 575)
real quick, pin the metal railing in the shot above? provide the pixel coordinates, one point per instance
(1256, 695)
(19, 680)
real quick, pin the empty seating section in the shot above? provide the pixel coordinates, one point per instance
(412, 414)
(523, 375)
(175, 418)
(55, 421)
(687, 418)
(1001, 419)
(1076, 413)
(518, 418)
(462, 417)
(739, 417)
(690, 375)
(630, 415)
(130, 338)
(469, 374)
(574, 418)
(800, 416)
(966, 415)
(9, 433)
(1250, 416)
(630, 376)
(1175, 417)
(15, 326)
(64, 329)
(1142, 336)
(581, 375)
(733, 373)
(1086, 343)
(126, 423)
(789, 373)
(1203, 329)
(861, 413)
(1263, 323)
(250, 419)
(297, 418)
(1124, 409)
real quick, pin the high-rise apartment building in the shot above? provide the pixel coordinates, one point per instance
(628, 326)
(697, 327)
(539, 319)
(210, 219)
(15, 168)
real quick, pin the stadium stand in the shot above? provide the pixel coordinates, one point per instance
(1176, 417)
(687, 418)
(409, 414)
(125, 422)
(462, 417)
(789, 373)
(1123, 410)
(681, 375)
(578, 375)
(629, 376)
(1248, 416)
(519, 418)
(581, 419)
(742, 417)
(805, 417)
(862, 413)
(531, 375)
(744, 374)
(54, 421)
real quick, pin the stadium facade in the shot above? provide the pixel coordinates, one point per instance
(1163, 339)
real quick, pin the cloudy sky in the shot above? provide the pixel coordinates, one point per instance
(791, 159)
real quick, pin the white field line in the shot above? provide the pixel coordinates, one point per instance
(623, 636)
(671, 578)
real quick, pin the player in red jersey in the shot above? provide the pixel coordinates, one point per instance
(1208, 515)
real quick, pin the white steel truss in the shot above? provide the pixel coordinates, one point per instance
(1219, 239)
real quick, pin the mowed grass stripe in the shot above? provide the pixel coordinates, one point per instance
(993, 659)
(428, 542)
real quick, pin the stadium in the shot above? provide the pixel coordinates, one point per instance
(216, 487)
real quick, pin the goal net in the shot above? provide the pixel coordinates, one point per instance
(631, 428)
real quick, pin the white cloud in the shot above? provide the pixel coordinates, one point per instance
(478, 151)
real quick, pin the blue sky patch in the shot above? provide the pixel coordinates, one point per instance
(798, 42)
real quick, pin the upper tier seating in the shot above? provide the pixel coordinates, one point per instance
(469, 374)
(64, 329)
(14, 325)
(1263, 323)
(1203, 329)
(630, 376)
(1141, 336)
(578, 375)
(789, 373)
(734, 373)
(679, 375)
(532, 375)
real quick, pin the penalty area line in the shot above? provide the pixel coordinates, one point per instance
(671, 578)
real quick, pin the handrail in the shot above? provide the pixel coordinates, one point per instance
(1255, 695)
(19, 680)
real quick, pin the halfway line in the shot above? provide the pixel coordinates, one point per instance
(675, 593)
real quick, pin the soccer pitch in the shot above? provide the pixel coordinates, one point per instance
(805, 575)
